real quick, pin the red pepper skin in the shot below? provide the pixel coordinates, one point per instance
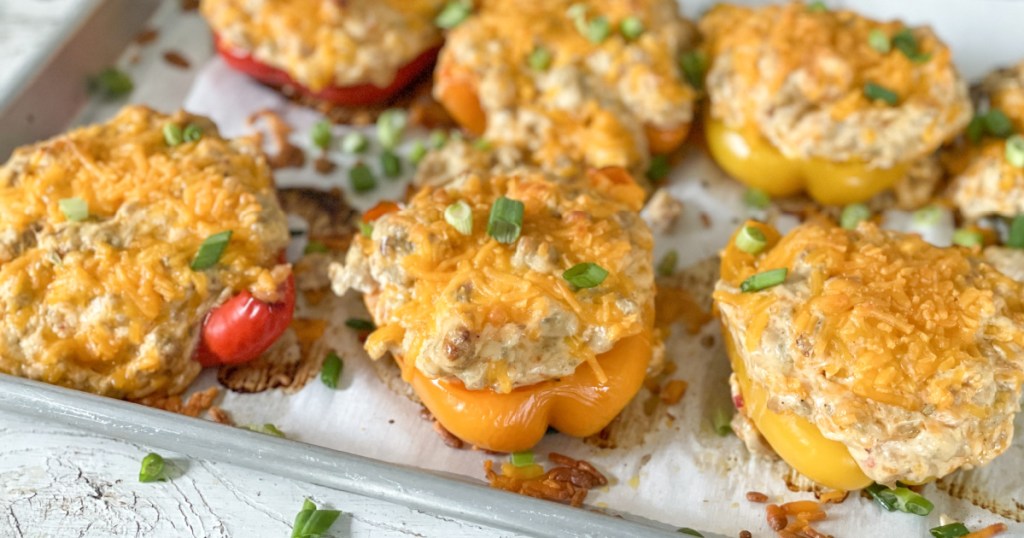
(244, 327)
(355, 95)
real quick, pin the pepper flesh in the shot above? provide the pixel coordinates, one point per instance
(244, 327)
(753, 161)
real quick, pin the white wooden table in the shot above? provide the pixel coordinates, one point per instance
(60, 481)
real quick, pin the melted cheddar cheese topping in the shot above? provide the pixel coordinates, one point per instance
(110, 304)
(907, 353)
(321, 43)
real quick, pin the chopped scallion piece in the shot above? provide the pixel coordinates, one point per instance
(354, 142)
(437, 139)
(321, 134)
(191, 133)
(521, 459)
(721, 421)
(111, 83)
(876, 92)
(417, 152)
(926, 216)
(764, 280)
(506, 220)
(751, 240)
(453, 14)
(362, 178)
(391, 164)
(358, 324)
(976, 129)
(390, 126)
(817, 7)
(1016, 238)
(539, 59)
(905, 42)
(365, 229)
(268, 429)
(694, 64)
(952, 530)
(853, 215)
(152, 468)
(482, 144)
(460, 216)
(211, 250)
(879, 40)
(578, 14)
(173, 135)
(585, 275)
(901, 499)
(312, 523)
(756, 199)
(659, 168)
(998, 124)
(598, 29)
(313, 247)
(74, 209)
(667, 265)
(631, 28)
(331, 370)
(966, 237)
(1015, 150)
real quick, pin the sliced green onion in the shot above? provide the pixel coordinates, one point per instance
(313, 523)
(173, 135)
(521, 459)
(817, 7)
(976, 129)
(111, 83)
(74, 209)
(354, 142)
(268, 429)
(460, 216)
(926, 216)
(417, 152)
(321, 134)
(668, 263)
(191, 133)
(689, 532)
(585, 275)
(659, 168)
(876, 92)
(953, 530)
(694, 64)
(998, 124)
(853, 215)
(751, 240)
(152, 468)
(631, 28)
(359, 324)
(362, 178)
(314, 247)
(764, 280)
(578, 14)
(757, 199)
(966, 237)
(391, 164)
(365, 229)
(905, 42)
(390, 126)
(437, 139)
(482, 144)
(879, 40)
(1016, 238)
(539, 59)
(901, 499)
(211, 250)
(721, 421)
(598, 29)
(1015, 150)
(454, 13)
(331, 370)
(506, 220)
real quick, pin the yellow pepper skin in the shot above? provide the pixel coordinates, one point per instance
(755, 162)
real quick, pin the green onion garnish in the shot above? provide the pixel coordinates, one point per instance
(417, 152)
(313, 247)
(211, 250)
(1015, 150)
(391, 164)
(578, 14)
(460, 216)
(631, 28)
(321, 134)
(331, 370)
(192, 133)
(173, 135)
(437, 139)
(362, 178)
(313, 523)
(354, 142)
(152, 468)
(876, 92)
(926, 216)
(694, 64)
(1016, 238)
(111, 83)
(721, 421)
(74, 209)
(659, 168)
(751, 240)
(585, 275)
(482, 144)
(976, 129)
(521, 459)
(268, 429)
(365, 229)
(454, 13)
(905, 42)
(965, 237)
(998, 124)
(598, 29)
(358, 324)
(901, 499)
(764, 280)
(390, 126)
(506, 220)
(689, 532)
(756, 199)
(667, 265)
(879, 40)
(817, 7)
(953, 530)
(853, 215)
(539, 59)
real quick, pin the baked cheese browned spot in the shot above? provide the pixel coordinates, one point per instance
(110, 304)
